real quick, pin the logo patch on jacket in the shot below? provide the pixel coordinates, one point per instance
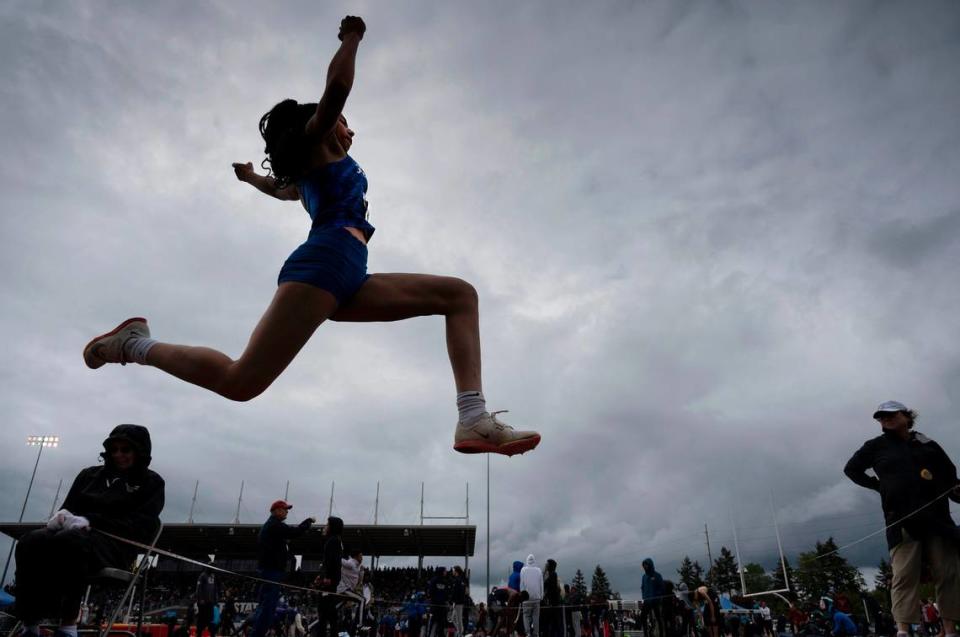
(130, 488)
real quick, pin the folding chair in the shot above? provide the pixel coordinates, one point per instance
(120, 576)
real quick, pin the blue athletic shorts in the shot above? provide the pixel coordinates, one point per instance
(331, 259)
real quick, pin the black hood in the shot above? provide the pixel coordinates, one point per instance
(551, 565)
(648, 565)
(137, 436)
(335, 525)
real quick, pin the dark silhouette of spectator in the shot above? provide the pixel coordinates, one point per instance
(651, 586)
(552, 615)
(274, 549)
(438, 594)
(458, 597)
(207, 596)
(123, 497)
(330, 578)
(911, 473)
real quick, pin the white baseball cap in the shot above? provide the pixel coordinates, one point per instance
(889, 407)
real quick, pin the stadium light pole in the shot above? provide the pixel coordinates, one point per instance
(32, 441)
(487, 592)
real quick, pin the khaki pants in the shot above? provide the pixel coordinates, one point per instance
(906, 559)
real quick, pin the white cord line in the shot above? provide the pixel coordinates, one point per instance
(884, 529)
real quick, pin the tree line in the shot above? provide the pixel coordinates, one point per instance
(820, 571)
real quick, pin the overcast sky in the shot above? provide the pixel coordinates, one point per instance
(708, 238)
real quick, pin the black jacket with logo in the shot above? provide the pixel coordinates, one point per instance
(909, 474)
(123, 503)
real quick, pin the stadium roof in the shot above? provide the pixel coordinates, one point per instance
(239, 541)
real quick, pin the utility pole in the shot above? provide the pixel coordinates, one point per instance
(330, 509)
(488, 521)
(236, 518)
(706, 532)
(376, 505)
(286, 492)
(193, 504)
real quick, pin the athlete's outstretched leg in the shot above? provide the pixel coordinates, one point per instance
(294, 314)
(394, 297)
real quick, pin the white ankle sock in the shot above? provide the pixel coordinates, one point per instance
(471, 406)
(136, 349)
(68, 630)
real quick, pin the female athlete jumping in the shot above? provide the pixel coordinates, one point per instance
(326, 277)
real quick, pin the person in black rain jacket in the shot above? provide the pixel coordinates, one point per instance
(123, 497)
(912, 473)
(327, 582)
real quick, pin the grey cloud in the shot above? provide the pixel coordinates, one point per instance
(904, 243)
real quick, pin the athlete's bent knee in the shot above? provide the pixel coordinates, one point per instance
(241, 394)
(241, 390)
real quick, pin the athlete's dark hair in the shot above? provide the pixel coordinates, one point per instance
(283, 128)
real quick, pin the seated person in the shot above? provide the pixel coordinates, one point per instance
(122, 497)
(842, 623)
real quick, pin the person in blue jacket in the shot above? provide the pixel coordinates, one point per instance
(842, 625)
(513, 582)
(651, 585)
(415, 609)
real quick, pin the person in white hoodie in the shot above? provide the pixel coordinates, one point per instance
(350, 572)
(350, 576)
(531, 583)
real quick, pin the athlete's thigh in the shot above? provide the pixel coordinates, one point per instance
(394, 297)
(296, 311)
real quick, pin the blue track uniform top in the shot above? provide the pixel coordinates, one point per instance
(335, 196)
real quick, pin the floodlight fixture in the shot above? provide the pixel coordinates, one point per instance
(43, 441)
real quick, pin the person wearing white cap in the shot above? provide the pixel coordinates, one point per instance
(912, 472)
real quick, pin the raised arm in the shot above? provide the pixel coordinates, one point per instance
(266, 185)
(339, 78)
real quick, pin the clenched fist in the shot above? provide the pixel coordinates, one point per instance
(352, 24)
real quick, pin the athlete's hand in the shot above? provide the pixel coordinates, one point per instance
(243, 171)
(352, 24)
